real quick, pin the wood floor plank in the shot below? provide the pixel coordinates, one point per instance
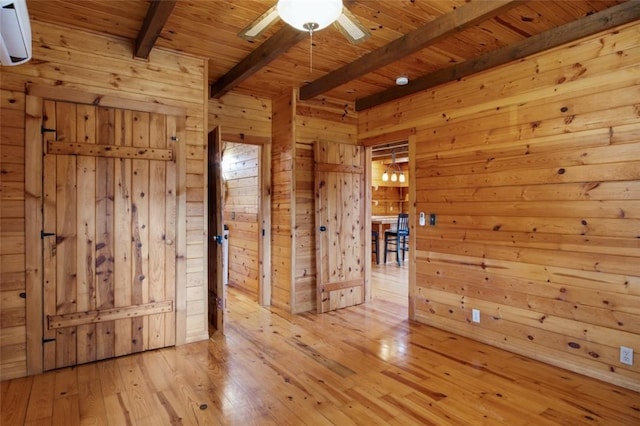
(119, 409)
(66, 410)
(143, 401)
(361, 365)
(116, 400)
(41, 404)
(91, 404)
(15, 401)
(66, 383)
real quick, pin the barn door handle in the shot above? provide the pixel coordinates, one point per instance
(323, 228)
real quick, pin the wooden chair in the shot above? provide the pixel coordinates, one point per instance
(397, 239)
(375, 245)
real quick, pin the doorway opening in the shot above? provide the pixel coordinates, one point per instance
(238, 201)
(389, 188)
(240, 169)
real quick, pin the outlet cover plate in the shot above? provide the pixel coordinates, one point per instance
(626, 355)
(475, 315)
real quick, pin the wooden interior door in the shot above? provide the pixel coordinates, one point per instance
(109, 194)
(340, 224)
(216, 297)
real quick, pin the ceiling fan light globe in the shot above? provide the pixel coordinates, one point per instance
(309, 14)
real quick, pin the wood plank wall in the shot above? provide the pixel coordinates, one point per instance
(282, 202)
(241, 172)
(389, 200)
(533, 171)
(305, 261)
(326, 119)
(68, 58)
(12, 234)
(241, 117)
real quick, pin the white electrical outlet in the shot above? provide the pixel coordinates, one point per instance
(475, 315)
(626, 355)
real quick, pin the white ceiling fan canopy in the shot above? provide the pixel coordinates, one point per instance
(309, 15)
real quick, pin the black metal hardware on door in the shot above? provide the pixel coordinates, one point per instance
(323, 228)
(219, 239)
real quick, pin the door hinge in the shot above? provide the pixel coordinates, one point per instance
(45, 340)
(44, 130)
(47, 234)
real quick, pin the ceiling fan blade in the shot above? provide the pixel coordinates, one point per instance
(351, 27)
(258, 26)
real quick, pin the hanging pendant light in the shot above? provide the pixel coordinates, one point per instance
(309, 15)
(397, 174)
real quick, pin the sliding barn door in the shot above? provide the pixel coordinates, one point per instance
(109, 232)
(340, 241)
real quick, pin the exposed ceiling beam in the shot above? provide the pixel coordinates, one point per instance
(584, 27)
(157, 15)
(460, 19)
(280, 42)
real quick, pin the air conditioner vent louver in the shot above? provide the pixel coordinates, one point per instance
(15, 32)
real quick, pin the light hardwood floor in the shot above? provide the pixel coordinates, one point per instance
(361, 365)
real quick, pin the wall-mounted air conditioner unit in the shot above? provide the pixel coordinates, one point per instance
(15, 32)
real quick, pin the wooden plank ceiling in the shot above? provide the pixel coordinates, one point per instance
(430, 42)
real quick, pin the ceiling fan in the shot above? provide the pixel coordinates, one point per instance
(310, 16)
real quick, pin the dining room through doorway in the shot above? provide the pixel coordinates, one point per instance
(390, 179)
